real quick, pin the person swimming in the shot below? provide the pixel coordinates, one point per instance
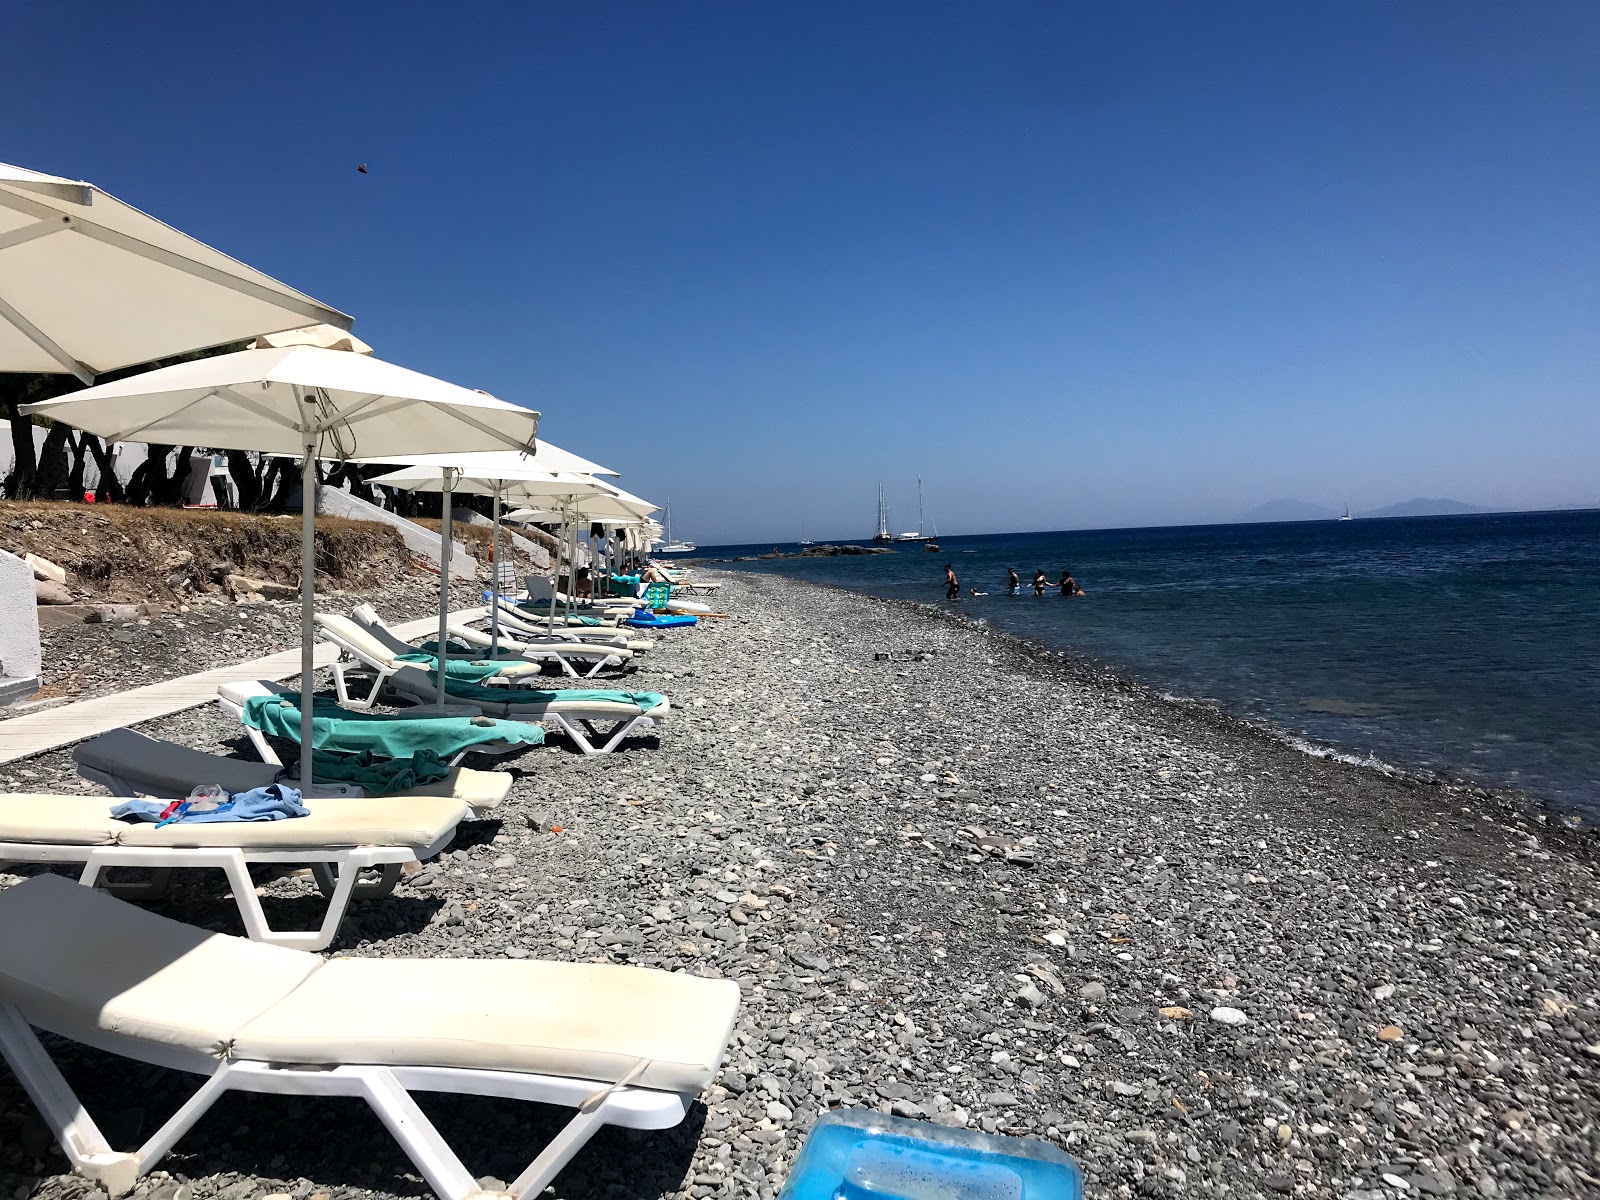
(1013, 581)
(976, 592)
(1040, 582)
(952, 585)
(1069, 585)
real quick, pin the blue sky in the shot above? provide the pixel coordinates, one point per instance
(1078, 265)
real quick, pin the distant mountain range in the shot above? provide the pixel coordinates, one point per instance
(1423, 507)
(1303, 510)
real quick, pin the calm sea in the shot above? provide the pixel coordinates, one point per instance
(1467, 645)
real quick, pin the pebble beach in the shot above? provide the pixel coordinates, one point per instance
(959, 878)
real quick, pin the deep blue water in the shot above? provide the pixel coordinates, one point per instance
(1467, 645)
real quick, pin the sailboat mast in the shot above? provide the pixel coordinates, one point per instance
(921, 524)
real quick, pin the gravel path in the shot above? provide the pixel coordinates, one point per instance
(954, 879)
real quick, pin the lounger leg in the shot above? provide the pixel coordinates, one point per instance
(341, 686)
(371, 888)
(255, 920)
(422, 1143)
(154, 888)
(79, 1137)
(572, 1138)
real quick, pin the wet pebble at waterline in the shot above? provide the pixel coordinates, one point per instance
(957, 882)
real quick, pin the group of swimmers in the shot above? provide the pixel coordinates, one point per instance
(1067, 585)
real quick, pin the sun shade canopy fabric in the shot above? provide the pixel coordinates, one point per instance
(273, 401)
(89, 284)
(513, 484)
(494, 464)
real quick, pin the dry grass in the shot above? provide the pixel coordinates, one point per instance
(116, 552)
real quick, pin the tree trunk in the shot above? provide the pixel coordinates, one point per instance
(170, 493)
(52, 473)
(109, 489)
(80, 462)
(245, 480)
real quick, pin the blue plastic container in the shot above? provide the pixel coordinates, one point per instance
(855, 1154)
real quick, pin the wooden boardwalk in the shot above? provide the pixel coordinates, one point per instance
(64, 724)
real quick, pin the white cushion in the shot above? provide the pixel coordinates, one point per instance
(578, 1020)
(76, 961)
(58, 820)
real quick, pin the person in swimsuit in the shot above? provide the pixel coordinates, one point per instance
(1069, 585)
(1013, 581)
(1039, 583)
(976, 592)
(952, 585)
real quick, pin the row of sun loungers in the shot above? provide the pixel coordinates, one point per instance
(620, 1045)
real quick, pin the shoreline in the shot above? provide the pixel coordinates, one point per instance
(961, 883)
(1083, 667)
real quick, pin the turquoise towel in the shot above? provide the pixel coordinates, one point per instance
(469, 670)
(384, 735)
(643, 701)
(375, 776)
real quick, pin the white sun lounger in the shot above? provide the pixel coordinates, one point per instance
(360, 644)
(570, 654)
(583, 719)
(231, 698)
(625, 1046)
(530, 626)
(345, 835)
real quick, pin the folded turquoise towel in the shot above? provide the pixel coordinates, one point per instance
(643, 701)
(384, 735)
(469, 669)
(375, 776)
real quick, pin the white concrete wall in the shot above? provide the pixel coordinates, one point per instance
(339, 503)
(20, 664)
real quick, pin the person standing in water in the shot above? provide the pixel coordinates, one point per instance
(952, 585)
(1039, 583)
(1069, 585)
(1013, 581)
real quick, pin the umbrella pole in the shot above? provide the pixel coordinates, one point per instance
(555, 578)
(308, 591)
(494, 582)
(445, 556)
(572, 572)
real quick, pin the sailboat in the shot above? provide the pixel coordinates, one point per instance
(883, 534)
(1347, 516)
(666, 545)
(921, 534)
(804, 540)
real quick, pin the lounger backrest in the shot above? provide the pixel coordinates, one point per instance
(241, 690)
(82, 964)
(346, 634)
(368, 619)
(165, 769)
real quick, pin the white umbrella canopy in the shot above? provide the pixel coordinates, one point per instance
(351, 406)
(89, 284)
(304, 401)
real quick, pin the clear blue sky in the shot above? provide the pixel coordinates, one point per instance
(1079, 264)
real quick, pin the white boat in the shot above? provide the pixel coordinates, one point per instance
(920, 534)
(1347, 516)
(664, 544)
(804, 540)
(883, 534)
